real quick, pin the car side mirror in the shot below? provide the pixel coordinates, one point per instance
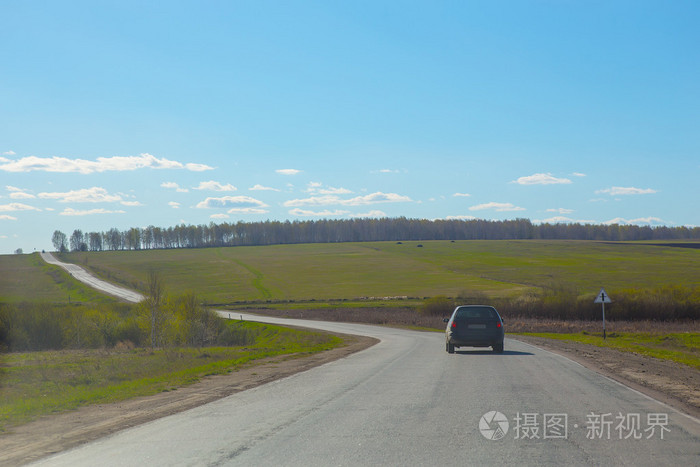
(503, 321)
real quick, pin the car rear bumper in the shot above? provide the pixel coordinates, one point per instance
(475, 341)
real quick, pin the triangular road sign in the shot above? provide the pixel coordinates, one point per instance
(602, 297)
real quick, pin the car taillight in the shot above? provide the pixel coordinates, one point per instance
(498, 324)
(454, 324)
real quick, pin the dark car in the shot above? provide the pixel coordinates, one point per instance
(474, 326)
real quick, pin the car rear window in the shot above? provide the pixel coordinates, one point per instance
(481, 312)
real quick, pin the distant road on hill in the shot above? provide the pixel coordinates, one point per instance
(83, 276)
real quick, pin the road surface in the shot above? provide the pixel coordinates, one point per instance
(87, 278)
(405, 401)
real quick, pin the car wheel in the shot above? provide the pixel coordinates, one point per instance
(450, 348)
(498, 348)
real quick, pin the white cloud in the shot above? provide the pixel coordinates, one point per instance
(174, 205)
(247, 211)
(541, 179)
(619, 191)
(102, 164)
(578, 174)
(562, 220)
(211, 185)
(9, 153)
(305, 213)
(561, 210)
(6, 217)
(18, 193)
(558, 220)
(288, 171)
(334, 191)
(461, 195)
(388, 171)
(262, 188)
(377, 197)
(174, 186)
(313, 201)
(192, 167)
(245, 203)
(86, 195)
(21, 195)
(499, 207)
(219, 216)
(88, 212)
(326, 200)
(460, 218)
(647, 220)
(132, 203)
(17, 207)
(373, 213)
(639, 221)
(316, 187)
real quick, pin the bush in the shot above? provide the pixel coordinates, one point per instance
(438, 306)
(183, 321)
(669, 303)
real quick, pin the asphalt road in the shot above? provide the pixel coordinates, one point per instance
(405, 401)
(83, 276)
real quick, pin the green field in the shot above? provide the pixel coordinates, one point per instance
(389, 269)
(41, 383)
(29, 278)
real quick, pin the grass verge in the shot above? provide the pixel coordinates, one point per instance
(679, 347)
(39, 383)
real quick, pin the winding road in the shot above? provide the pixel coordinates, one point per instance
(82, 275)
(405, 401)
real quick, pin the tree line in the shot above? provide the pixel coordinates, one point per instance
(354, 230)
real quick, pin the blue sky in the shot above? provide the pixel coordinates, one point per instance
(128, 114)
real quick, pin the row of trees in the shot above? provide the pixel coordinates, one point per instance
(354, 230)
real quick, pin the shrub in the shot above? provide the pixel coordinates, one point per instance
(438, 306)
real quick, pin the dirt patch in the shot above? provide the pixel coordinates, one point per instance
(56, 433)
(672, 383)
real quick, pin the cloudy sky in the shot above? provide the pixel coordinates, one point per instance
(135, 113)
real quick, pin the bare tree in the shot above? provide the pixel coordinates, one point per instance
(155, 309)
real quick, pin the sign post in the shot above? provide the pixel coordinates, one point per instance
(603, 298)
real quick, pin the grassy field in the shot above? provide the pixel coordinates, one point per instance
(29, 278)
(388, 269)
(39, 383)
